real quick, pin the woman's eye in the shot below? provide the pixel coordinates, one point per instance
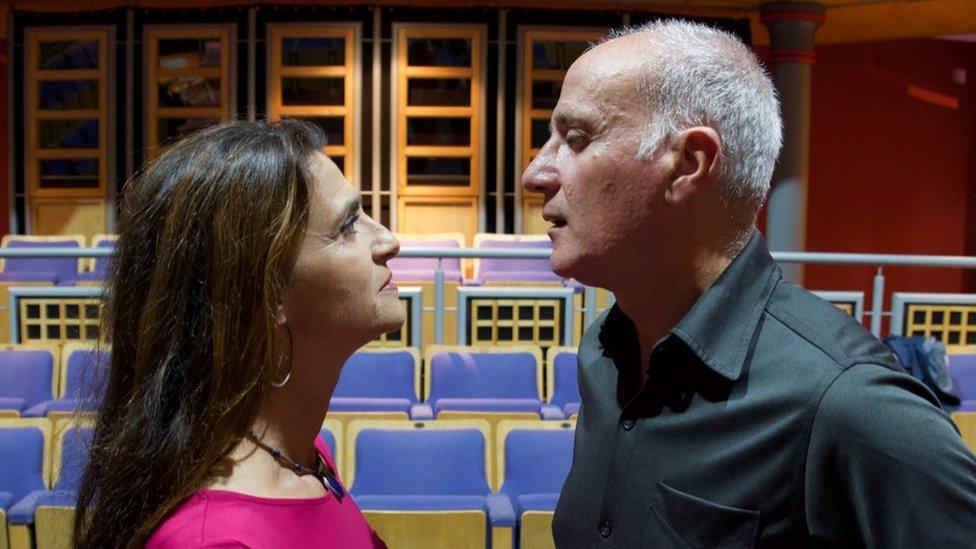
(350, 225)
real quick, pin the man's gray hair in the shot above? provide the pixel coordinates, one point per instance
(701, 76)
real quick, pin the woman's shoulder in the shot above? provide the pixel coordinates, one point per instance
(214, 518)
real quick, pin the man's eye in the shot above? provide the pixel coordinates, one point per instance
(576, 139)
(350, 226)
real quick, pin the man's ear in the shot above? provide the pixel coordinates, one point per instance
(697, 159)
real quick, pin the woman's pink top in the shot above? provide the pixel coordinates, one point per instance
(218, 518)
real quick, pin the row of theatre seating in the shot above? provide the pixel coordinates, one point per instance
(69, 271)
(441, 483)
(482, 398)
(39, 380)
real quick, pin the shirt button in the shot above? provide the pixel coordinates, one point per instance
(605, 528)
(627, 424)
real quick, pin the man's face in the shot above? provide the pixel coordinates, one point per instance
(600, 198)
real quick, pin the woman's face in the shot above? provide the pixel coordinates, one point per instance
(340, 286)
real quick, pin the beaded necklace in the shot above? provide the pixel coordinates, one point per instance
(323, 471)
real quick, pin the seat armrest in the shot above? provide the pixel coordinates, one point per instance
(22, 512)
(421, 410)
(6, 500)
(501, 512)
(550, 411)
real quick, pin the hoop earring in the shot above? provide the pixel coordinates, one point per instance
(282, 383)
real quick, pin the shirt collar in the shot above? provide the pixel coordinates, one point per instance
(720, 327)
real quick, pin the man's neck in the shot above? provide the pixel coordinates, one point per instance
(657, 301)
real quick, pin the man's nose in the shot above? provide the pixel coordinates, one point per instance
(541, 176)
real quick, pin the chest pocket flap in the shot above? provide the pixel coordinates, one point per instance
(697, 522)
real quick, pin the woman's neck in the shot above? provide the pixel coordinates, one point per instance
(290, 422)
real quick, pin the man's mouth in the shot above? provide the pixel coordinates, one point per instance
(557, 221)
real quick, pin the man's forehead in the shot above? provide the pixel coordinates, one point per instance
(602, 79)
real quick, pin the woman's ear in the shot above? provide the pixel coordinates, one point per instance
(280, 317)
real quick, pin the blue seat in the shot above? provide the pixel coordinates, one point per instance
(537, 462)
(564, 397)
(506, 379)
(513, 270)
(332, 433)
(100, 266)
(534, 462)
(70, 460)
(414, 467)
(60, 271)
(962, 369)
(330, 440)
(22, 450)
(83, 375)
(26, 378)
(422, 269)
(378, 381)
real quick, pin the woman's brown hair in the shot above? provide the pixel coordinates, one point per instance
(208, 235)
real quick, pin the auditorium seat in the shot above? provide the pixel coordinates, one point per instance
(563, 384)
(513, 270)
(533, 462)
(962, 370)
(98, 266)
(484, 380)
(331, 432)
(427, 484)
(24, 447)
(54, 509)
(59, 271)
(28, 376)
(421, 269)
(379, 380)
(378, 384)
(84, 370)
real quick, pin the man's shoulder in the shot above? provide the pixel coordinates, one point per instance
(819, 324)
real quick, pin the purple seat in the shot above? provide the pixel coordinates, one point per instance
(74, 460)
(516, 270)
(22, 473)
(565, 389)
(426, 470)
(26, 378)
(484, 381)
(61, 271)
(86, 372)
(381, 381)
(537, 462)
(962, 369)
(101, 265)
(421, 269)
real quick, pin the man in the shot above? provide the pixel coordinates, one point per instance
(722, 406)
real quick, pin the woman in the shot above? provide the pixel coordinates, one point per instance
(246, 274)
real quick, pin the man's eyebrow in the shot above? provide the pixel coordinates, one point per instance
(567, 119)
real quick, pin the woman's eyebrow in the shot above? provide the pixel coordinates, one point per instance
(352, 207)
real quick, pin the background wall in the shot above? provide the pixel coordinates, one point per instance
(893, 160)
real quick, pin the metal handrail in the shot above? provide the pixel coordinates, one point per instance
(823, 258)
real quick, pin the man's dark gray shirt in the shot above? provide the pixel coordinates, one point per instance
(768, 418)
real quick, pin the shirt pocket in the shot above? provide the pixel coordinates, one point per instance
(677, 519)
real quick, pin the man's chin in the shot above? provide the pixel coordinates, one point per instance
(566, 267)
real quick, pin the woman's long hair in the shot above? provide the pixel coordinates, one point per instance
(208, 235)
